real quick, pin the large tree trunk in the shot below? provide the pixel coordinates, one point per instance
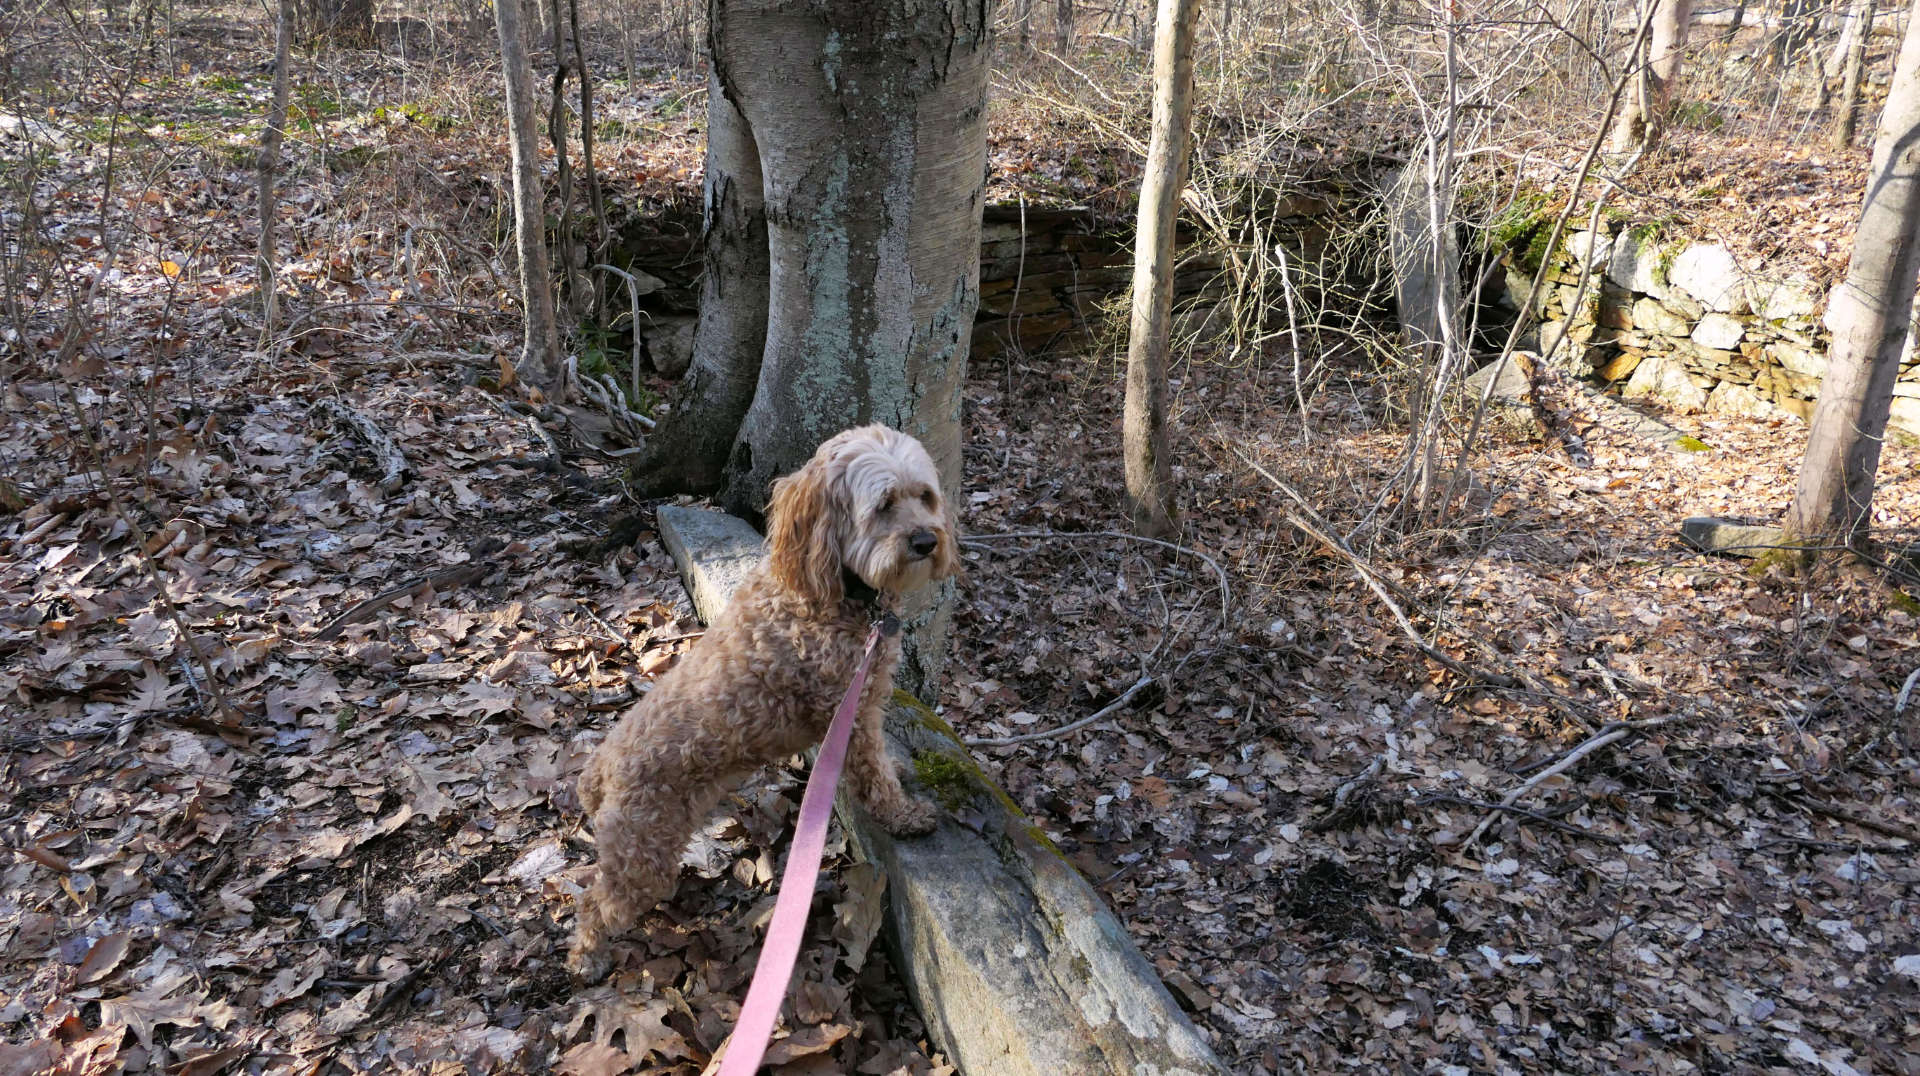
(539, 355)
(1870, 316)
(688, 453)
(1645, 112)
(869, 118)
(1846, 117)
(1149, 461)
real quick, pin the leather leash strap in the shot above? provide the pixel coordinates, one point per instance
(748, 1045)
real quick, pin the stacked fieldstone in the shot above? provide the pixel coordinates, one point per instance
(1683, 322)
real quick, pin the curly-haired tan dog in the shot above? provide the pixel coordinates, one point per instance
(862, 522)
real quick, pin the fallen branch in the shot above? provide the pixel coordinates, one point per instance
(1841, 814)
(1076, 726)
(1525, 813)
(606, 394)
(1612, 732)
(445, 579)
(633, 300)
(1226, 592)
(393, 462)
(1311, 523)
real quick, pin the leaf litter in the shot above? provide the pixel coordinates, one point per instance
(374, 869)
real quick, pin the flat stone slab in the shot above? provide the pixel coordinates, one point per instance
(1016, 964)
(1710, 534)
(1504, 380)
(714, 550)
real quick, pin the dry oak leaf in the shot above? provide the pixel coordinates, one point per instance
(593, 1059)
(146, 1010)
(328, 845)
(644, 1023)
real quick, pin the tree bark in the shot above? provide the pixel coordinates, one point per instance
(869, 121)
(1870, 316)
(569, 303)
(1644, 114)
(270, 143)
(1847, 116)
(688, 452)
(539, 354)
(1149, 464)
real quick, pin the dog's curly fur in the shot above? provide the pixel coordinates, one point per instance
(763, 683)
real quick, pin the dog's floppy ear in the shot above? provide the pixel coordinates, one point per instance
(805, 549)
(946, 555)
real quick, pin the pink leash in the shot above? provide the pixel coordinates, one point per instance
(775, 969)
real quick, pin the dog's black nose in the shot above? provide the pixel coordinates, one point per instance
(922, 542)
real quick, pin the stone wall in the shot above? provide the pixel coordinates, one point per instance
(1048, 275)
(1685, 323)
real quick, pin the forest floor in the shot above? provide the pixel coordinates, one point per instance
(362, 854)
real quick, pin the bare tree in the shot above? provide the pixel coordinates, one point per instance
(270, 143)
(1639, 123)
(1847, 115)
(1148, 459)
(688, 452)
(539, 355)
(1870, 315)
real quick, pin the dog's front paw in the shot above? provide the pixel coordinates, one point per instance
(909, 816)
(589, 965)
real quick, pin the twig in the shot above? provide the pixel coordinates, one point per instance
(1518, 812)
(633, 300)
(1317, 528)
(1076, 726)
(1609, 733)
(447, 578)
(1347, 786)
(1226, 592)
(1841, 814)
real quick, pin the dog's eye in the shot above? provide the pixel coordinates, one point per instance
(886, 503)
(929, 499)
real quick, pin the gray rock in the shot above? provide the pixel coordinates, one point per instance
(1510, 380)
(715, 552)
(1709, 358)
(1728, 398)
(1799, 360)
(1596, 250)
(1015, 963)
(1621, 416)
(1636, 263)
(1681, 303)
(1665, 379)
(670, 344)
(1778, 300)
(1905, 415)
(1709, 274)
(1651, 316)
(1566, 348)
(1722, 332)
(1713, 535)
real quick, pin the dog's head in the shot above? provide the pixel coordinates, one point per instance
(869, 503)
